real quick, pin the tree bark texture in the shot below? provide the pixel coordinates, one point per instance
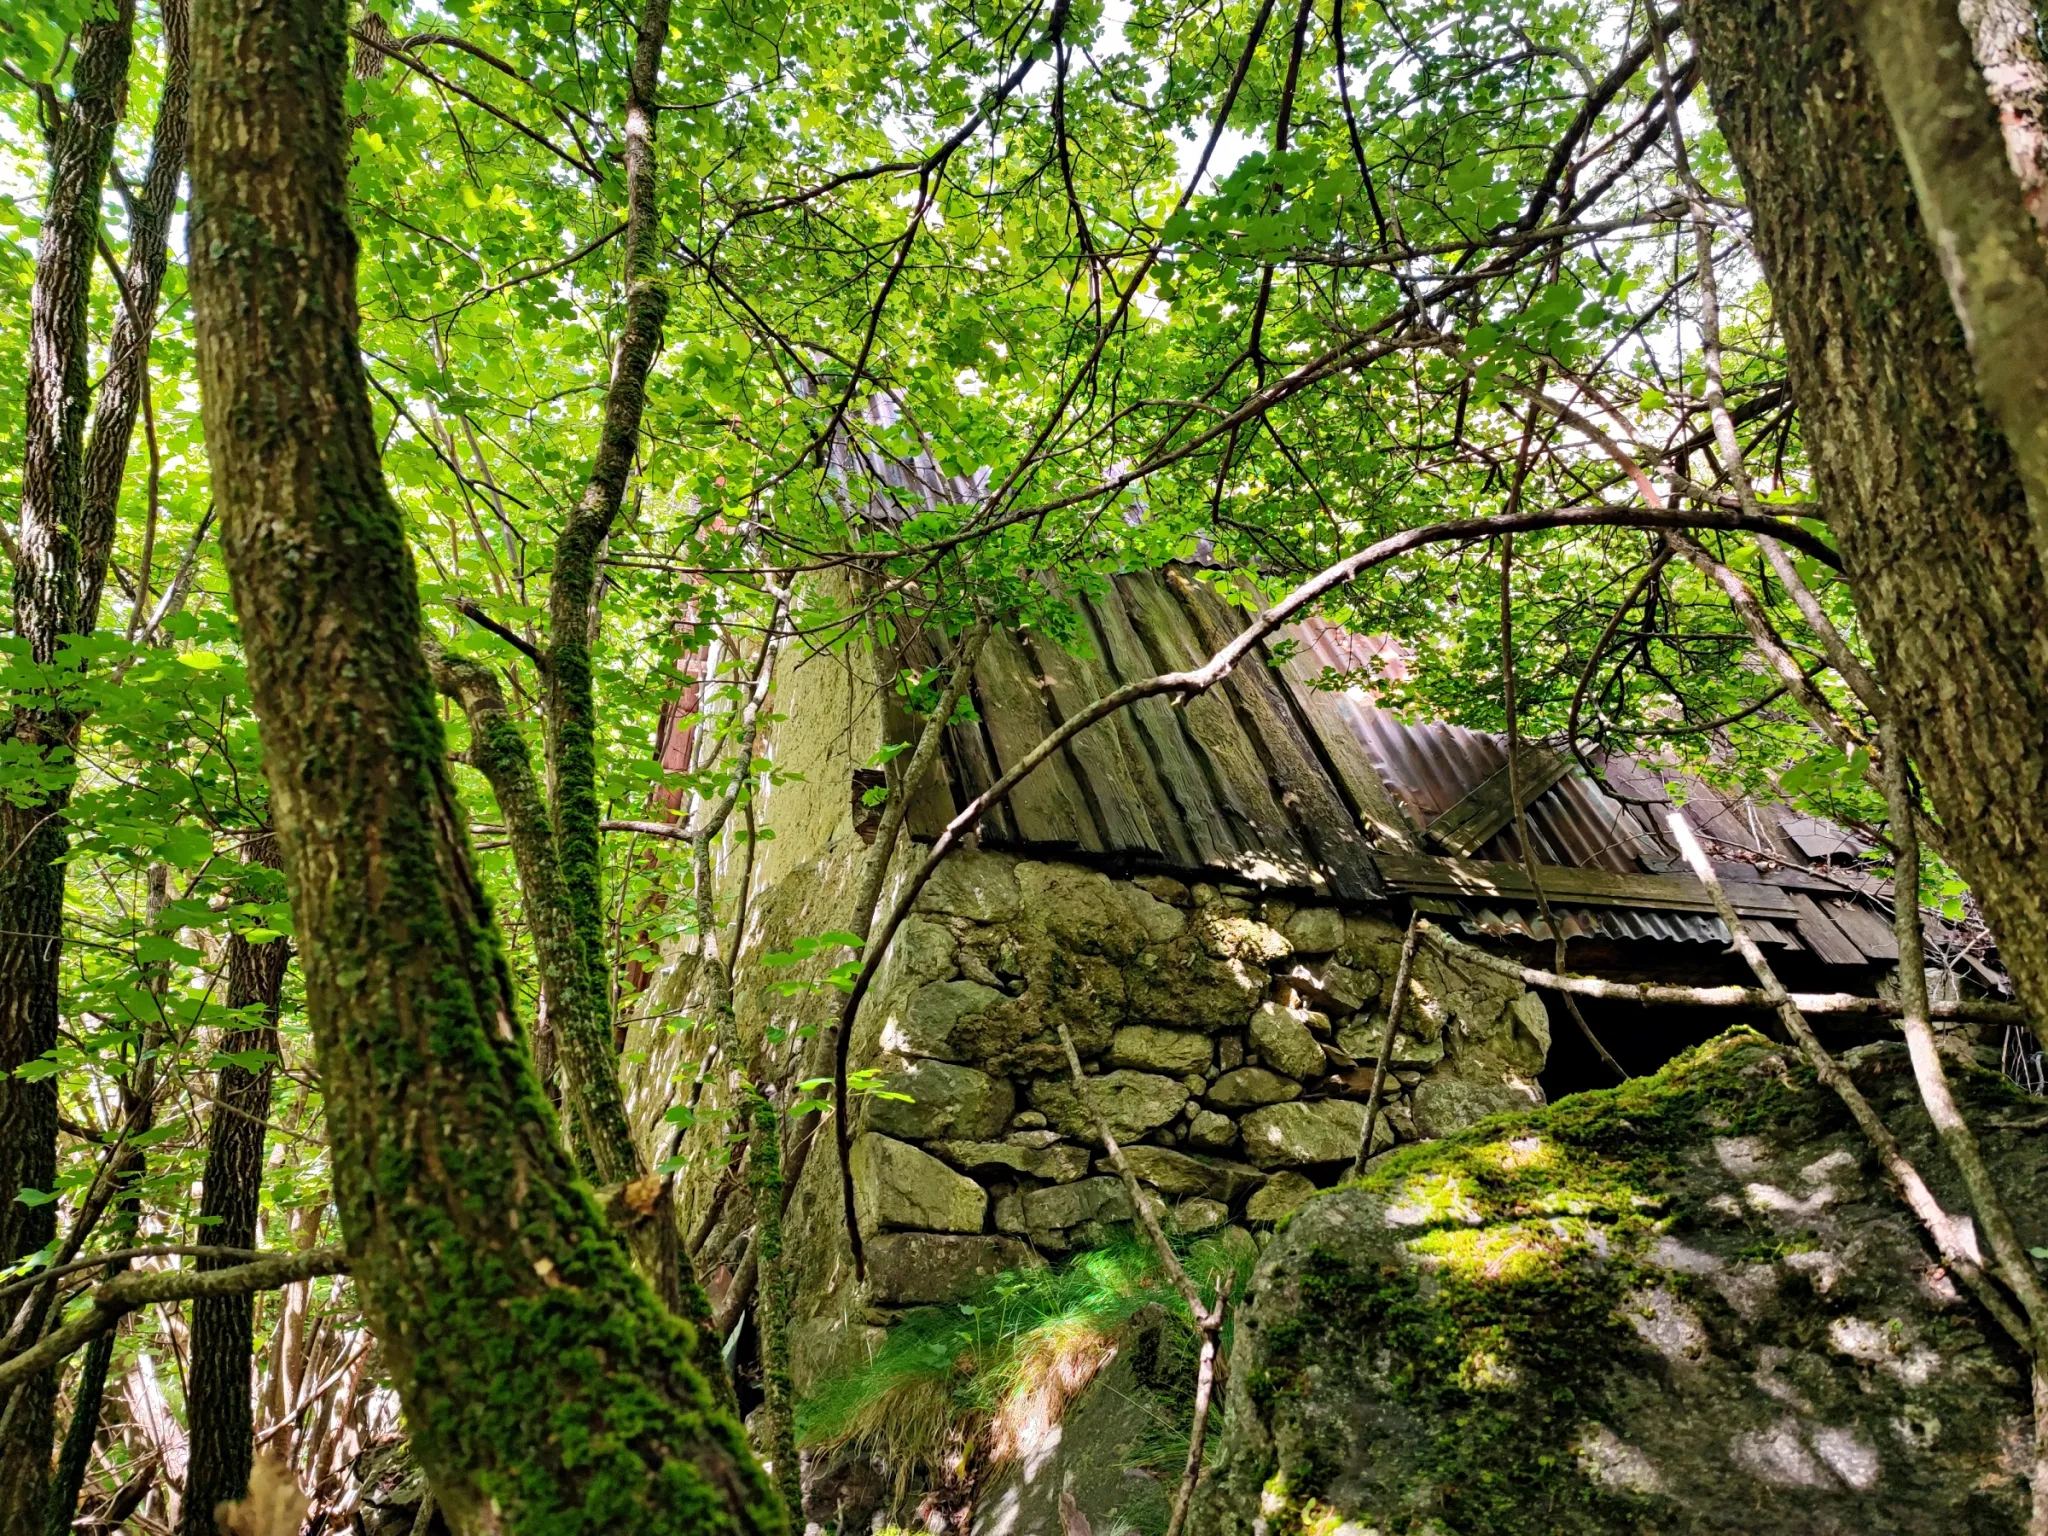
(218, 1415)
(547, 1388)
(2005, 41)
(572, 592)
(142, 283)
(569, 991)
(1972, 205)
(46, 613)
(1917, 479)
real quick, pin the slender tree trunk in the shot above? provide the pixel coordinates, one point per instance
(46, 612)
(546, 1386)
(217, 1390)
(1916, 478)
(142, 283)
(568, 989)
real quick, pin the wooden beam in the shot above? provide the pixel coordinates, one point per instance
(1467, 826)
(1485, 880)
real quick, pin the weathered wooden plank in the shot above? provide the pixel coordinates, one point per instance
(1306, 788)
(1331, 717)
(1268, 847)
(969, 769)
(1866, 930)
(1047, 803)
(1108, 759)
(1821, 936)
(934, 804)
(1204, 823)
(1467, 826)
(1483, 879)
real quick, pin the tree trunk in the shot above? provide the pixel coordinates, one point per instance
(1916, 478)
(217, 1391)
(142, 283)
(546, 1386)
(46, 612)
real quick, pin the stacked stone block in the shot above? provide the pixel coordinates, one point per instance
(1228, 1036)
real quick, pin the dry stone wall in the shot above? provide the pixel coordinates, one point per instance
(1228, 1036)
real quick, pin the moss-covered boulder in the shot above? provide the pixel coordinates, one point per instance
(1688, 1305)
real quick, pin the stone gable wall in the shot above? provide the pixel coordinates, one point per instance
(1219, 1025)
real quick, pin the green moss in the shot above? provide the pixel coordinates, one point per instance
(1495, 1338)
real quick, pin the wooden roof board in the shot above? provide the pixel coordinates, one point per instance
(1329, 716)
(1305, 786)
(1047, 803)
(1488, 880)
(1267, 845)
(1865, 929)
(1820, 935)
(1470, 824)
(934, 804)
(1204, 822)
(1107, 759)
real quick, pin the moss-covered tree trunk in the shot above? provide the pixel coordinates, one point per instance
(46, 614)
(218, 1420)
(1916, 479)
(547, 1388)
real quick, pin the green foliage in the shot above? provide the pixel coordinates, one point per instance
(1024, 1343)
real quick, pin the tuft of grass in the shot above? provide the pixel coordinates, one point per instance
(979, 1382)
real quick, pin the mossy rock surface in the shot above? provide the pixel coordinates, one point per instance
(1686, 1306)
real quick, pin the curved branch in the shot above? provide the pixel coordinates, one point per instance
(137, 1288)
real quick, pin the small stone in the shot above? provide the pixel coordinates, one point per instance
(1315, 930)
(922, 1024)
(1068, 1205)
(1195, 1082)
(895, 1185)
(1200, 1215)
(1151, 1049)
(1249, 1087)
(1290, 1135)
(941, 1100)
(1445, 1103)
(1285, 1042)
(1033, 1138)
(1062, 1163)
(1230, 1052)
(1164, 888)
(1132, 1102)
(1161, 920)
(1028, 1120)
(923, 949)
(1176, 1173)
(1281, 1195)
(1346, 990)
(981, 886)
(1241, 1247)
(1232, 935)
(911, 1269)
(1361, 1042)
(1209, 1129)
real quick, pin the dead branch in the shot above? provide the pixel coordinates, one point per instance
(138, 1288)
(1953, 1239)
(1660, 994)
(1379, 1071)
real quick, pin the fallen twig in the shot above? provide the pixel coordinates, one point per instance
(1379, 1071)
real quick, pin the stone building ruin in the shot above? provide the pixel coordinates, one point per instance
(1211, 898)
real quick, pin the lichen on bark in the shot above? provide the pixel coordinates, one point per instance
(548, 1389)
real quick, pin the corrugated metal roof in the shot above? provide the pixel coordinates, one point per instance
(1264, 778)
